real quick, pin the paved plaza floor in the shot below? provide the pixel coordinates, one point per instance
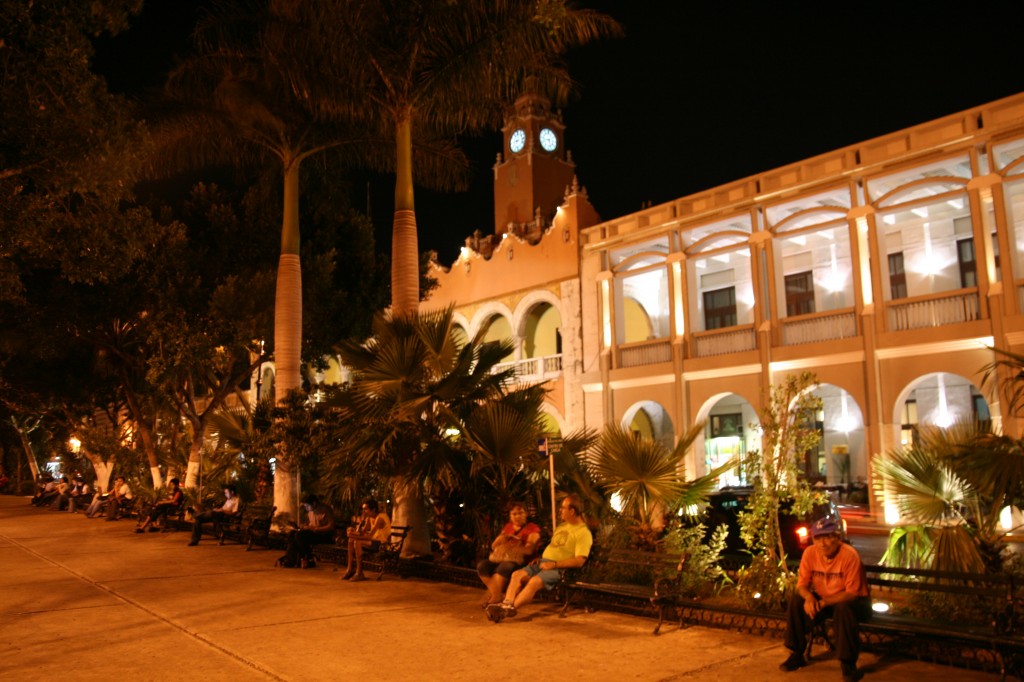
(84, 599)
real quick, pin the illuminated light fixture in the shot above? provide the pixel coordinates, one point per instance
(606, 315)
(451, 432)
(956, 203)
(921, 212)
(463, 253)
(889, 219)
(880, 607)
(504, 236)
(74, 444)
(799, 241)
(892, 513)
(833, 282)
(944, 420)
(616, 502)
(801, 533)
(757, 595)
(845, 423)
(1006, 518)
(929, 261)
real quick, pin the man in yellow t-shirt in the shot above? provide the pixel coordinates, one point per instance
(569, 548)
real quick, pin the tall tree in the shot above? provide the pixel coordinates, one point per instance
(271, 83)
(69, 155)
(442, 68)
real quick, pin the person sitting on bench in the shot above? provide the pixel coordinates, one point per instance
(164, 507)
(569, 548)
(111, 501)
(318, 530)
(831, 583)
(225, 512)
(374, 528)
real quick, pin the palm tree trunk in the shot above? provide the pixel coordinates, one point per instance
(405, 260)
(288, 329)
(409, 511)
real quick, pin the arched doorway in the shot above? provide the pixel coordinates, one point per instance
(728, 436)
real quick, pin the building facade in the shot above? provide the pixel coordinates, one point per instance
(891, 269)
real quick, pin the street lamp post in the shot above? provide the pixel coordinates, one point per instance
(259, 373)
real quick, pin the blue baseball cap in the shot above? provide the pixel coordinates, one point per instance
(826, 525)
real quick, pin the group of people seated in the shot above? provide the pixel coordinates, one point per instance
(367, 532)
(513, 567)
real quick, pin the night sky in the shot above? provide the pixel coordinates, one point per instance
(699, 93)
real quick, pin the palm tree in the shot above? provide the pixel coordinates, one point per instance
(648, 478)
(272, 84)
(421, 405)
(951, 486)
(450, 68)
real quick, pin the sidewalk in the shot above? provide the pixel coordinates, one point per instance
(89, 599)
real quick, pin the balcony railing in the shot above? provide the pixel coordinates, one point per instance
(933, 311)
(731, 340)
(645, 353)
(819, 327)
(533, 369)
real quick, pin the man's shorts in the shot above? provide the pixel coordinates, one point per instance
(549, 577)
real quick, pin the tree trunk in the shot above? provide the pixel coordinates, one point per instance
(195, 460)
(288, 329)
(145, 432)
(30, 455)
(409, 511)
(405, 258)
(102, 469)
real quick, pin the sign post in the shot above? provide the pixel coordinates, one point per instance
(549, 447)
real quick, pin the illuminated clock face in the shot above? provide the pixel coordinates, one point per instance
(518, 139)
(548, 140)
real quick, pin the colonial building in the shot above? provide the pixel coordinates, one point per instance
(890, 269)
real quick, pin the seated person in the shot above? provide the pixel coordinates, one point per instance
(225, 512)
(76, 491)
(318, 530)
(831, 582)
(45, 485)
(569, 548)
(53, 494)
(373, 529)
(513, 548)
(111, 501)
(161, 509)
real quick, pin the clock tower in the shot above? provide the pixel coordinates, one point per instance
(534, 169)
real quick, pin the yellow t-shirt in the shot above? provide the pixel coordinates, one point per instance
(569, 541)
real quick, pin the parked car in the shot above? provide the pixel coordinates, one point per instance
(725, 505)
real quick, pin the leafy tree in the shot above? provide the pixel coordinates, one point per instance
(69, 155)
(68, 149)
(787, 432)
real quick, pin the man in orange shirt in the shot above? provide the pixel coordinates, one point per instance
(831, 583)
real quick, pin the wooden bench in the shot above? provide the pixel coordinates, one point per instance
(990, 596)
(653, 577)
(386, 555)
